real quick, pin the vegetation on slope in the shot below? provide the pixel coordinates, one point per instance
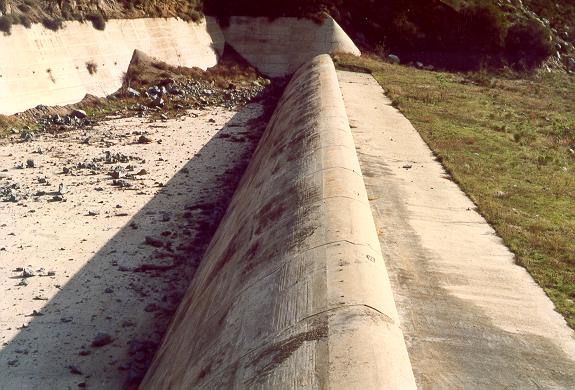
(52, 13)
(450, 34)
(510, 145)
(455, 34)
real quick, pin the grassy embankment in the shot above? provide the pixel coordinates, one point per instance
(510, 145)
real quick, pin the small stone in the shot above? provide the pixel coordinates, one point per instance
(62, 189)
(74, 370)
(93, 213)
(66, 170)
(80, 114)
(393, 59)
(142, 172)
(109, 290)
(153, 242)
(144, 139)
(127, 324)
(102, 339)
(28, 273)
(121, 183)
(132, 92)
(30, 163)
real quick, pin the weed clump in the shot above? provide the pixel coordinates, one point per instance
(5, 24)
(25, 21)
(52, 24)
(92, 67)
(527, 44)
(98, 21)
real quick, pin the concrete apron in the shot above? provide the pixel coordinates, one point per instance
(471, 317)
(293, 291)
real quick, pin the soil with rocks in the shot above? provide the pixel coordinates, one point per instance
(104, 220)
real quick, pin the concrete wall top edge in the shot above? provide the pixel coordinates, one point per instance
(40, 66)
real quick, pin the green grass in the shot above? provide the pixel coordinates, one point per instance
(507, 143)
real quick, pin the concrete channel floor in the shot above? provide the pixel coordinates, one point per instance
(470, 316)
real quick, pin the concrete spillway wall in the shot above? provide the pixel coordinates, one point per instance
(293, 291)
(40, 66)
(280, 47)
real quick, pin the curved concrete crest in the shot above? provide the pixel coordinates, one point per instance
(293, 291)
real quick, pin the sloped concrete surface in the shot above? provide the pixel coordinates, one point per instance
(471, 317)
(40, 66)
(293, 291)
(280, 47)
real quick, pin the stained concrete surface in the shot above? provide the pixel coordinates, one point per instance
(293, 291)
(41, 66)
(89, 253)
(470, 316)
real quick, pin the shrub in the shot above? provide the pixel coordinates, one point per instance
(483, 29)
(527, 44)
(52, 24)
(5, 24)
(92, 67)
(98, 21)
(25, 21)
(24, 7)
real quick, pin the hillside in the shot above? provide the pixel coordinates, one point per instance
(53, 13)
(447, 33)
(453, 34)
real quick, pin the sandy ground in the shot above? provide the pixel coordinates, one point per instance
(102, 260)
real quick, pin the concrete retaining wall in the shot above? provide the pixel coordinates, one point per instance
(293, 291)
(40, 66)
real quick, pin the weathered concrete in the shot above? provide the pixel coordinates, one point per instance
(471, 317)
(278, 48)
(293, 291)
(40, 66)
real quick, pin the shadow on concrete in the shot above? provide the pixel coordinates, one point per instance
(130, 289)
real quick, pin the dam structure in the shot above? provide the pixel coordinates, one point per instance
(332, 267)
